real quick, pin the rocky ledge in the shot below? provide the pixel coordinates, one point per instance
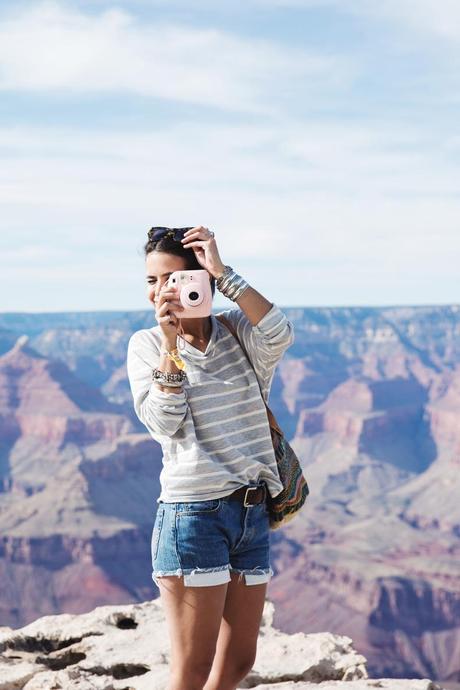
(127, 648)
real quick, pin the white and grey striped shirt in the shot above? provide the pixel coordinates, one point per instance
(215, 435)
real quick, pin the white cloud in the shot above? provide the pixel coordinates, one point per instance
(307, 207)
(427, 16)
(312, 214)
(49, 47)
(346, 189)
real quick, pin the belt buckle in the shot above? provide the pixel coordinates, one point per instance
(250, 488)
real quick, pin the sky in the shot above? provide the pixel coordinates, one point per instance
(318, 139)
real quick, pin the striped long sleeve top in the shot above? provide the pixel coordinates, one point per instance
(215, 435)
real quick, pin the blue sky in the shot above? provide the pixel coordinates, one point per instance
(318, 139)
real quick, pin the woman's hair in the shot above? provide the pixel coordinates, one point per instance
(168, 245)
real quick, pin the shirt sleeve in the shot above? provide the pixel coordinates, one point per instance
(265, 343)
(161, 413)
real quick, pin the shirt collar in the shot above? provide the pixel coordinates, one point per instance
(194, 352)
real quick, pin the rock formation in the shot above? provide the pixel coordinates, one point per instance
(127, 648)
(370, 399)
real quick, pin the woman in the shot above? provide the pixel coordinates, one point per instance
(210, 540)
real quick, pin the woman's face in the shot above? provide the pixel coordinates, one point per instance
(159, 266)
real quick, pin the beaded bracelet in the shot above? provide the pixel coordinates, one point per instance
(167, 378)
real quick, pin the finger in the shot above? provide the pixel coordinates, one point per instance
(168, 297)
(192, 232)
(200, 230)
(167, 319)
(196, 235)
(196, 232)
(168, 314)
(169, 309)
(196, 243)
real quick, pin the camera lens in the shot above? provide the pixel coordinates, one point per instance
(191, 296)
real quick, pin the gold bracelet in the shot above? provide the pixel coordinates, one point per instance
(175, 357)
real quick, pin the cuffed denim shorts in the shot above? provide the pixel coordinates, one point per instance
(204, 540)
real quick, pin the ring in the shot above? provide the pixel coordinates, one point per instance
(211, 233)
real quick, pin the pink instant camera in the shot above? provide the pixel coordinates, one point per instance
(194, 292)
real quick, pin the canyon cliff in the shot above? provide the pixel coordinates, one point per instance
(368, 397)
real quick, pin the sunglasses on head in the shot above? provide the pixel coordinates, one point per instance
(157, 233)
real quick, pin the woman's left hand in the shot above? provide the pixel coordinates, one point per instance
(203, 243)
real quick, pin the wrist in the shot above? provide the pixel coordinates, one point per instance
(220, 271)
(169, 389)
(168, 344)
(173, 354)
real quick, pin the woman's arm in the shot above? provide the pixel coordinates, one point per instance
(162, 413)
(168, 366)
(254, 305)
(265, 332)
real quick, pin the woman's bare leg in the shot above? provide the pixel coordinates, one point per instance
(193, 616)
(238, 634)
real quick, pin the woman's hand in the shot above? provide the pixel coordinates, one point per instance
(203, 243)
(168, 299)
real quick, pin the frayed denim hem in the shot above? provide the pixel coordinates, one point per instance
(254, 576)
(202, 577)
(198, 577)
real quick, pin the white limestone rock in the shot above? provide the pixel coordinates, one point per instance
(363, 684)
(127, 648)
(313, 657)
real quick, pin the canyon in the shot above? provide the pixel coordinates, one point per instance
(368, 397)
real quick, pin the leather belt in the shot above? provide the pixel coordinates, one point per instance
(249, 495)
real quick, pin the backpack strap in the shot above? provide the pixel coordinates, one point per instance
(271, 417)
(232, 330)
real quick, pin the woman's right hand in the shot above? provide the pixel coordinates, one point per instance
(167, 302)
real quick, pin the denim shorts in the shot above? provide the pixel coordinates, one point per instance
(204, 540)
